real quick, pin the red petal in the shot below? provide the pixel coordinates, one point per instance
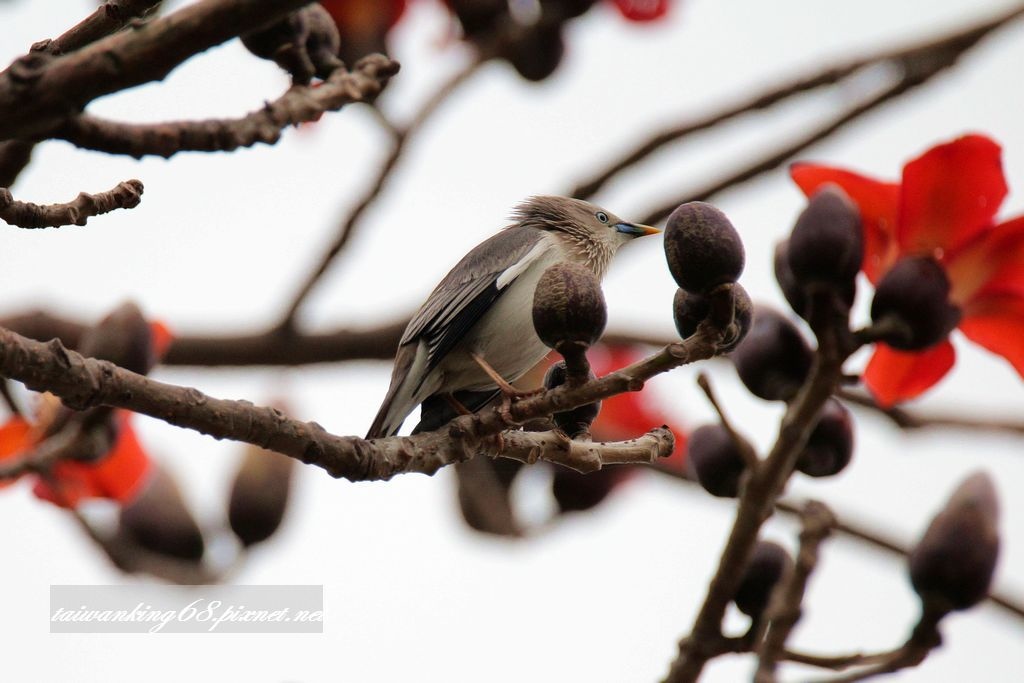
(119, 475)
(643, 10)
(997, 323)
(893, 376)
(950, 194)
(162, 338)
(993, 264)
(877, 202)
(14, 436)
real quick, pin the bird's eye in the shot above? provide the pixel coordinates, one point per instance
(602, 216)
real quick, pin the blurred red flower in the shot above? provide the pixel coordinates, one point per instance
(944, 208)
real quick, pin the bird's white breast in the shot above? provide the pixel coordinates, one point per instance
(504, 336)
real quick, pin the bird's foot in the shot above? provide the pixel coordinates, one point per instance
(509, 392)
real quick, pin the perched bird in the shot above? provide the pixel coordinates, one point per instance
(482, 310)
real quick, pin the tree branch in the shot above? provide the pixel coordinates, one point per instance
(399, 140)
(918, 67)
(38, 91)
(912, 420)
(83, 383)
(300, 104)
(757, 500)
(109, 17)
(78, 211)
(785, 609)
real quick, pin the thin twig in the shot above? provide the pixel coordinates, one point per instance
(785, 610)
(300, 104)
(912, 420)
(919, 65)
(38, 90)
(108, 18)
(126, 195)
(742, 445)
(400, 138)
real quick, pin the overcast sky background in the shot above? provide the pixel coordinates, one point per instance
(220, 242)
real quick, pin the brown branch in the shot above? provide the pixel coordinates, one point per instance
(38, 91)
(919, 65)
(108, 18)
(400, 138)
(785, 609)
(764, 484)
(768, 98)
(14, 157)
(300, 104)
(83, 383)
(78, 211)
(924, 638)
(912, 420)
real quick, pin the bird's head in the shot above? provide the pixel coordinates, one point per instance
(584, 225)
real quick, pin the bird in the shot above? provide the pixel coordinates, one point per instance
(477, 323)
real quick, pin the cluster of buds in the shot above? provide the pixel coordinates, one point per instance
(706, 257)
(305, 44)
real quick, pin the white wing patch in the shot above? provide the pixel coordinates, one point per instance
(516, 269)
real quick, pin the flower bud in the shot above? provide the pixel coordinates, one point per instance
(159, 520)
(774, 359)
(830, 445)
(537, 53)
(768, 564)
(568, 9)
(123, 338)
(305, 43)
(795, 292)
(478, 17)
(579, 419)
(702, 247)
(576, 492)
(716, 460)
(568, 306)
(690, 310)
(952, 566)
(827, 243)
(915, 292)
(259, 494)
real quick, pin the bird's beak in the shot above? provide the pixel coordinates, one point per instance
(636, 229)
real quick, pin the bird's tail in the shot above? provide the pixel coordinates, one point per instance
(399, 401)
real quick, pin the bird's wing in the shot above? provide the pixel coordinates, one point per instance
(471, 288)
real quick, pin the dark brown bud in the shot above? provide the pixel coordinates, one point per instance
(259, 495)
(914, 294)
(702, 247)
(830, 445)
(716, 460)
(159, 520)
(774, 359)
(537, 53)
(690, 310)
(952, 566)
(123, 338)
(768, 564)
(576, 492)
(567, 9)
(568, 306)
(795, 292)
(478, 17)
(485, 497)
(579, 419)
(827, 243)
(305, 43)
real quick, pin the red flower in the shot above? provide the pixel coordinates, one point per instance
(118, 475)
(643, 10)
(945, 208)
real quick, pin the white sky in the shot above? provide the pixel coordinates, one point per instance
(221, 241)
